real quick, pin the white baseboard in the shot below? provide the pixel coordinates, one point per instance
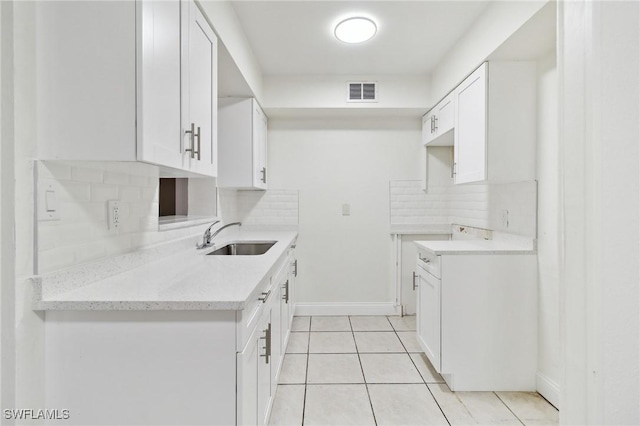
(308, 309)
(549, 389)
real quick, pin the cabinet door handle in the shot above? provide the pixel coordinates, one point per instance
(435, 124)
(191, 134)
(285, 297)
(295, 268)
(267, 344)
(415, 286)
(265, 296)
(197, 136)
(432, 124)
(264, 175)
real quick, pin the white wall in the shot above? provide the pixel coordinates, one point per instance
(599, 80)
(549, 364)
(496, 24)
(343, 259)
(29, 326)
(318, 91)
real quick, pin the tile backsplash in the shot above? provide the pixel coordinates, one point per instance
(506, 207)
(275, 207)
(81, 234)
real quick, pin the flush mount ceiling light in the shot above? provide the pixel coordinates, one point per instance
(355, 30)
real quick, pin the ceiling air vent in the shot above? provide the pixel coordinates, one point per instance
(362, 91)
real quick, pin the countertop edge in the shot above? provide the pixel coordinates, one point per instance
(59, 304)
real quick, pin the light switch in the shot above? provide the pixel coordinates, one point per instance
(50, 201)
(48, 205)
(346, 210)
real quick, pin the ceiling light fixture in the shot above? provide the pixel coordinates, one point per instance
(355, 30)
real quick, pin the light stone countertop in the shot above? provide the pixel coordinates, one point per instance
(424, 229)
(174, 276)
(461, 247)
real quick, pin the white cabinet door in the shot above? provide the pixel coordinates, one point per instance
(86, 80)
(259, 147)
(428, 316)
(470, 140)
(242, 144)
(445, 115)
(248, 381)
(265, 361)
(199, 92)
(438, 122)
(159, 84)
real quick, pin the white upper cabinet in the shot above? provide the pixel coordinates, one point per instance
(495, 123)
(111, 76)
(437, 124)
(199, 91)
(242, 144)
(470, 148)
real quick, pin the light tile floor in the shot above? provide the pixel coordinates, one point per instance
(370, 370)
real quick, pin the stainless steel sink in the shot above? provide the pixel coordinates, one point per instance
(243, 248)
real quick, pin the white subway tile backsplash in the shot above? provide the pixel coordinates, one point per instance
(82, 235)
(82, 174)
(149, 194)
(130, 193)
(103, 193)
(275, 207)
(116, 178)
(56, 258)
(76, 192)
(479, 205)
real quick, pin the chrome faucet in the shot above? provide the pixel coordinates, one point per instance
(208, 236)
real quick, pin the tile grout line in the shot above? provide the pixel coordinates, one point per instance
(508, 408)
(364, 378)
(416, 367)
(306, 375)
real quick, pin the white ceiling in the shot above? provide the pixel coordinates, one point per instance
(296, 37)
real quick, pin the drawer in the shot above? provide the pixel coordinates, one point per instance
(430, 263)
(248, 318)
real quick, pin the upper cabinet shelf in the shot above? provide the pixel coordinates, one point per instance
(490, 120)
(242, 144)
(127, 81)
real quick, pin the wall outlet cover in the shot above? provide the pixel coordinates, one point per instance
(113, 215)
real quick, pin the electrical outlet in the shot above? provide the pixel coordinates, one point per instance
(505, 218)
(113, 214)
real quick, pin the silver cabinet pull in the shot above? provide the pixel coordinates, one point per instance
(295, 268)
(267, 344)
(285, 296)
(435, 124)
(264, 296)
(197, 136)
(424, 259)
(264, 175)
(415, 286)
(191, 134)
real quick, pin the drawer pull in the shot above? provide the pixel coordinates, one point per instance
(265, 296)
(267, 344)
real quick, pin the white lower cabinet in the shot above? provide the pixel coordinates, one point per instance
(477, 319)
(428, 315)
(171, 367)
